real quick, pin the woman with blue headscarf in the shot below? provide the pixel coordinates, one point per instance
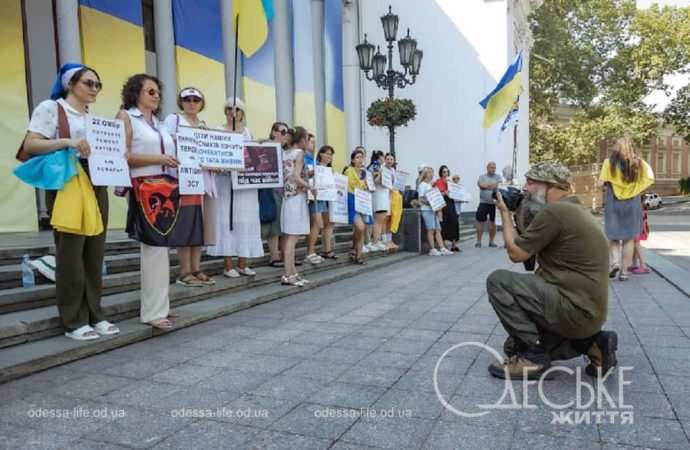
(57, 124)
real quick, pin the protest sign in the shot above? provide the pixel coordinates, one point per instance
(387, 178)
(324, 182)
(400, 180)
(338, 208)
(263, 167)
(107, 163)
(435, 199)
(363, 202)
(218, 149)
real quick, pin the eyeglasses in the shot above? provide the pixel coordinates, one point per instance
(153, 92)
(282, 131)
(191, 99)
(91, 84)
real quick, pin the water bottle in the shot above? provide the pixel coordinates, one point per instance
(104, 269)
(28, 279)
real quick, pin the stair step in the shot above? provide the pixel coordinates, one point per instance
(30, 325)
(21, 360)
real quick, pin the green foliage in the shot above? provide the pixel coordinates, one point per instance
(677, 113)
(602, 57)
(684, 185)
(387, 112)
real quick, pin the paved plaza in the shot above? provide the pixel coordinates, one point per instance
(350, 366)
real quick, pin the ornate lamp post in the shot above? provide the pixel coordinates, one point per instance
(381, 67)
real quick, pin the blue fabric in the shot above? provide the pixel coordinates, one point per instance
(318, 207)
(57, 89)
(49, 171)
(352, 213)
(308, 159)
(268, 210)
(430, 220)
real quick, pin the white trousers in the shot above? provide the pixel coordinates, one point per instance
(155, 283)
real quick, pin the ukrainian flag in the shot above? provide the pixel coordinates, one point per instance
(254, 16)
(501, 100)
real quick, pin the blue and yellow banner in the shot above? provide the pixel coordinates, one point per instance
(303, 67)
(500, 101)
(335, 101)
(18, 199)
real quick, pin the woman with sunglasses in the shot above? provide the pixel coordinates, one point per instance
(273, 199)
(155, 217)
(79, 259)
(238, 226)
(191, 102)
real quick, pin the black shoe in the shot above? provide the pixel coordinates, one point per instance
(614, 271)
(602, 354)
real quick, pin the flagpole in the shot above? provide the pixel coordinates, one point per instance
(234, 81)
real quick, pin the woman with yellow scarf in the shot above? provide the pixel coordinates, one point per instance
(625, 177)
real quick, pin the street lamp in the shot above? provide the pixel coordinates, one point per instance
(381, 67)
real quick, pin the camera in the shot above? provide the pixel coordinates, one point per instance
(512, 197)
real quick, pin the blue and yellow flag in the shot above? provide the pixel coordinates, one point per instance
(501, 100)
(254, 16)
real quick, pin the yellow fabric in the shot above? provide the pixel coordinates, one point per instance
(76, 209)
(501, 103)
(253, 30)
(396, 210)
(353, 180)
(621, 188)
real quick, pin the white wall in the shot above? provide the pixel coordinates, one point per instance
(467, 48)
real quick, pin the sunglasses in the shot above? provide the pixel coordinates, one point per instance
(191, 99)
(153, 92)
(282, 131)
(91, 84)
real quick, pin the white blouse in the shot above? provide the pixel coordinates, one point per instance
(146, 140)
(174, 121)
(44, 120)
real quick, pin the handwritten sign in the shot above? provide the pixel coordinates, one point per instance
(338, 210)
(363, 202)
(218, 149)
(387, 177)
(263, 167)
(324, 182)
(107, 163)
(189, 172)
(191, 180)
(458, 192)
(370, 181)
(435, 199)
(400, 180)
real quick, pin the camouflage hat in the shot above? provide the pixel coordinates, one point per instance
(551, 172)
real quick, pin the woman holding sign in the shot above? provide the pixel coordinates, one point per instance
(294, 213)
(191, 102)
(319, 213)
(157, 217)
(381, 200)
(57, 124)
(449, 226)
(430, 217)
(238, 226)
(356, 179)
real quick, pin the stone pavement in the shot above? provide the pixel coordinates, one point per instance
(350, 366)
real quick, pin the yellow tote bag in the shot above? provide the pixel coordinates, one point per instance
(76, 209)
(396, 210)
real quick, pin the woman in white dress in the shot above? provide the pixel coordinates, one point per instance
(191, 102)
(238, 226)
(294, 213)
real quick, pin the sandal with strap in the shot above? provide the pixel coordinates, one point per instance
(162, 324)
(189, 280)
(329, 255)
(292, 280)
(83, 333)
(277, 263)
(201, 276)
(105, 328)
(360, 261)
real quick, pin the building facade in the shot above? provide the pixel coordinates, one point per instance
(306, 73)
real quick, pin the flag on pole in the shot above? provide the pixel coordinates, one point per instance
(253, 23)
(502, 99)
(512, 116)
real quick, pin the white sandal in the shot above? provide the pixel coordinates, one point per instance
(83, 333)
(105, 328)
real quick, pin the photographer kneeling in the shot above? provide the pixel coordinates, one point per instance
(556, 313)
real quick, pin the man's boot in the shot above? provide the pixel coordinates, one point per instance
(602, 353)
(530, 364)
(513, 346)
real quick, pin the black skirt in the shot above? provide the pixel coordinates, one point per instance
(450, 227)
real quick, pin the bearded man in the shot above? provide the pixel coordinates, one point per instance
(557, 312)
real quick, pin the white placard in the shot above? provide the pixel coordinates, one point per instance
(324, 182)
(263, 167)
(370, 181)
(191, 180)
(338, 211)
(435, 199)
(363, 202)
(400, 180)
(457, 192)
(387, 178)
(107, 163)
(219, 149)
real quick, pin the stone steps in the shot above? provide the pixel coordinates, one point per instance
(227, 297)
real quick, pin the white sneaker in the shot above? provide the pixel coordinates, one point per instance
(380, 246)
(314, 258)
(445, 252)
(434, 252)
(246, 271)
(365, 249)
(232, 273)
